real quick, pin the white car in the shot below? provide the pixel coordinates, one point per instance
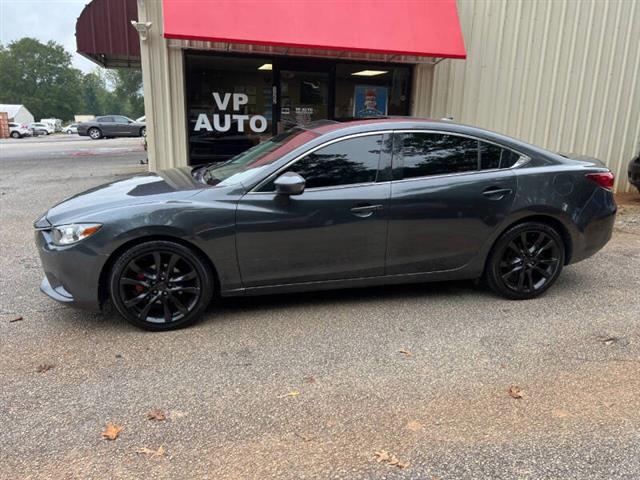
(71, 128)
(40, 128)
(19, 130)
(142, 119)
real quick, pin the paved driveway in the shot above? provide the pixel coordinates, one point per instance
(311, 386)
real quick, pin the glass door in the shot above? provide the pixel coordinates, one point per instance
(304, 97)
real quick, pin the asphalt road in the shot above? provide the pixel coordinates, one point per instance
(228, 385)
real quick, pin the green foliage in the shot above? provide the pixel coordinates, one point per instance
(41, 77)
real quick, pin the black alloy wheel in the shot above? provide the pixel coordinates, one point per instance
(526, 261)
(161, 285)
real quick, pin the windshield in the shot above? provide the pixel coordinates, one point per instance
(257, 158)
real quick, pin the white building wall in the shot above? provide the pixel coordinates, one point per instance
(562, 74)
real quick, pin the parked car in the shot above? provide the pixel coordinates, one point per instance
(142, 119)
(71, 128)
(19, 130)
(40, 128)
(634, 171)
(112, 126)
(54, 123)
(332, 205)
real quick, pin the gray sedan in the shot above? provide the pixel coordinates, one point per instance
(332, 205)
(112, 126)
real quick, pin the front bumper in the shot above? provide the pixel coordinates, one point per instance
(72, 273)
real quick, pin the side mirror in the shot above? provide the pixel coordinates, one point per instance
(289, 183)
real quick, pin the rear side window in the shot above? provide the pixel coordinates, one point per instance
(493, 156)
(425, 154)
(346, 162)
(105, 119)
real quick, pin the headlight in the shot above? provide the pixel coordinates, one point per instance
(68, 234)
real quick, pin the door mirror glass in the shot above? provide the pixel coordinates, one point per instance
(289, 183)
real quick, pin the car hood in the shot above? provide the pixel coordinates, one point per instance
(167, 185)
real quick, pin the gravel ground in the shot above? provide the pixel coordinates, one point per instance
(227, 385)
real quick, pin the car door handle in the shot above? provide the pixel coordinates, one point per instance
(496, 193)
(365, 210)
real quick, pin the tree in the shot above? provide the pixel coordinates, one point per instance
(41, 77)
(127, 87)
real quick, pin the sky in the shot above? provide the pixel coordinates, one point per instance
(45, 20)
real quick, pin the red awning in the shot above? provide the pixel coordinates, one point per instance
(422, 28)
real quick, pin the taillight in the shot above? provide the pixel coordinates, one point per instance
(604, 179)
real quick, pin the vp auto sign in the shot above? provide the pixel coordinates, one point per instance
(221, 122)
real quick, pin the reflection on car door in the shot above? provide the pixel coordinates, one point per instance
(335, 229)
(107, 125)
(444, 206)
(121, 126)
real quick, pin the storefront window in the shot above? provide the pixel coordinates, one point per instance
(229, 105)
(365, 91)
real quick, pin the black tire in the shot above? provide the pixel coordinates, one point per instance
(143, 131)
(15, 135)
(95, 133)
(174, 299)
(525, 261)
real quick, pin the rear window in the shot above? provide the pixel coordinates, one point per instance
(426, 154)
(492, 156)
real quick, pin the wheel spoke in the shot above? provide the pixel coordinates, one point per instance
(523, 240)
(511, 272)
(542, 271)
(157, 261)
(134, 282)
(521, 280)
(172, 264)
(186, 277)
(132, 302)
(184, 310)
(167, 310)
(145, 311)
(548, 260)
(530, 278)
(184, 290)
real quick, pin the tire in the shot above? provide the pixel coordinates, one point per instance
(525, 261)
(94, 133)
(15, 135)
(143, 131)
(175, 299)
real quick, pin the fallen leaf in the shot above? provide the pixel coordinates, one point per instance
(17, 319)
(406, 353)
(515, 392)
(382, 456)
(111, 431)
(157, 415)
(414, 425)
(309, 379)
(292, 393)
(152, 453)
(45, 367)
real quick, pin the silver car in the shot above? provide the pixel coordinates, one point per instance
(112, 126)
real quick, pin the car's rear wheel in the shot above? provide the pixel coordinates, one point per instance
(15, 135)
(525, 261)
(161, 285)
(143, 131)
(95, 133)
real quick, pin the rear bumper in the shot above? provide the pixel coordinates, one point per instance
(72, 273)
(595, 225)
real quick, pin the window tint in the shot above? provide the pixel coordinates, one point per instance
(105, 119)
(436, 154)
(120, 119)
(493, 156)
(342, 163)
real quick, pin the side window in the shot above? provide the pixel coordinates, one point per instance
(342, 163)
(427, 154)
(493, 156)
(105, 119)
(120, 119)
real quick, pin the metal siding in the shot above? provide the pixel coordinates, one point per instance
(561, 74)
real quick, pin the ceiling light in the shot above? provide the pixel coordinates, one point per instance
(369, 73)
(266, 66)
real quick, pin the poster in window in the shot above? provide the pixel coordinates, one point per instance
(370, 101)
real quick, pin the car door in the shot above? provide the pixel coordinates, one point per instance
(121, 126)
(448, 195)
(107, 125)
(336, 229)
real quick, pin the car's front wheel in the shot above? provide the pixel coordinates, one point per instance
(161, 285)
(15, 135)
(525, 261)
(143, 131)
(95, 133)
